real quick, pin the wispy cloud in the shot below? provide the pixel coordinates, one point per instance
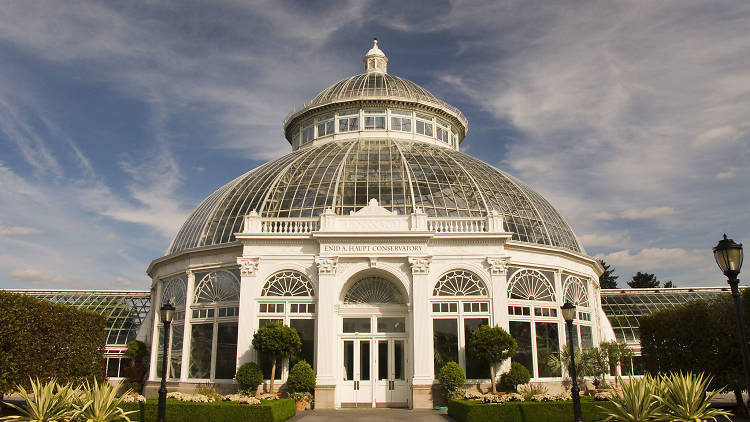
(6, 230)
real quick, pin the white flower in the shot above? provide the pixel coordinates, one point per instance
(239, 398)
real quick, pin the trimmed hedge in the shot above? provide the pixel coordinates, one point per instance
(222, 411)
(550, 411)
(41, 339)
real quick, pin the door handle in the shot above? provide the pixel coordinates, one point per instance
(391, 385)
(356, 385)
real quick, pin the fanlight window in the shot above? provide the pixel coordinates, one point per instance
(288, 283)
(218, 286)
(174, 290)
(575, 292)
(459, 283)
(531, 285)
(374, 290)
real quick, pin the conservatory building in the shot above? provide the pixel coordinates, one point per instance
(383, 245)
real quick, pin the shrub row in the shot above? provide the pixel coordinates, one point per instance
(40, 339)
(179, 411)
(551, 411)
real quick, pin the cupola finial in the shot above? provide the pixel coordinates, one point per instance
(375, 60)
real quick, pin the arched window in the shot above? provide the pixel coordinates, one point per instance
(174, 291)
(528, 284)
(374, 290)
(459, 283)
(575, 291)
(218, 286)
(288, 283)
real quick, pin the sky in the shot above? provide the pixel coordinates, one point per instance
(118, 118)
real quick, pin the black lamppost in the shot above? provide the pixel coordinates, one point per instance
(569, 314)
(167, 313)
(728, 255)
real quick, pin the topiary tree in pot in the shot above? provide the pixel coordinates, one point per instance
(301, 384)
(277, 341)
(249, 376)
(492, 345)
(451, 378)
(517, 375)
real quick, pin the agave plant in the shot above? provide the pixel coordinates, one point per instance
(637, 403)
(99, 403)
(46, 402)
(684, 398)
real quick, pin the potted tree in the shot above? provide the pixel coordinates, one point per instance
(492, 345)
(301, 384)
(277, 341)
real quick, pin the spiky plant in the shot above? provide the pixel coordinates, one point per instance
(637, 403)
(99, 403)
(46, 402)
(684, 398)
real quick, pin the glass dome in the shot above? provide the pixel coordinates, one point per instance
(401, 174)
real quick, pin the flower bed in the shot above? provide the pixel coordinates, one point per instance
(525, 411)
(220, 411)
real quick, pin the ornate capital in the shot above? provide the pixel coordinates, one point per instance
(498, 264)
(326, 265)
(420, 265)
(248, 266)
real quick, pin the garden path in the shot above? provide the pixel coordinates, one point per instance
(371, 415)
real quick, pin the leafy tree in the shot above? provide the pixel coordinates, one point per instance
(301, 378)
(493, 346)
(249, 376)
(277, 341)
(617, 353)
(669, 285)
(644, 281)
(608, 279)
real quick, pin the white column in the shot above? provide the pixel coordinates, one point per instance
(499, 291)
(326, 342)
(421, 326)
(185, 365)
(155, 305)
(248, 319)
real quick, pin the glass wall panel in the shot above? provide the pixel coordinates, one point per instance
(200, 350)
(546, 345)
(587, 340)
(399, 357)
(349, 360)
(364, 360)
(475, 368)
(264, 361)
(391, 325)
(356, 325)
(383, 360)
(226, 350)
(521, 332)
(306, 330)
(445, 341)
(160, 352)
(175, 352)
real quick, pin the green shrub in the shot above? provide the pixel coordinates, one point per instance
(40, 339)
(301, 378)
(249, 376)
(551, 411)
(451, 377)
(223, 411)
(517, 375)
(530, 390)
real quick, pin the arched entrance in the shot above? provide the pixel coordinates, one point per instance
(373, 344)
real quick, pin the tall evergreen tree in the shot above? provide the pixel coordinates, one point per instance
(644, 281)
(608, 279)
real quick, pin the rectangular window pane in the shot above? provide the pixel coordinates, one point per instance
(546, 344)
(306, 330)
(445, 341)
(356, 325)
(521, 332)
(475, 369)
(348, 360)
(364, 360)
(226, 350)
(113, 368)
(200, 350)
(380, 122)
(160, 351)
(383, 360)
(175, 354)
(391, 325)
(399, 358)
(587, 341)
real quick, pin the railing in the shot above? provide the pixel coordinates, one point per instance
(457, 224)
(289, 225)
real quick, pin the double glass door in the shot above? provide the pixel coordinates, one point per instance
(374, 372)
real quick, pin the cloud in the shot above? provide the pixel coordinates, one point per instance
(123, 282)
(17, 230)
(609, 240)
(39, 278)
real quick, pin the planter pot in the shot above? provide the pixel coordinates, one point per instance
(301, 405)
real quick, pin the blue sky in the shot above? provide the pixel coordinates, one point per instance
(118, 118)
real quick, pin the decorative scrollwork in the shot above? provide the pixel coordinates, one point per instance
(218, 286)
(374, 290)
(575, 291)
(288, 283)
(528, 284)
(459, 283)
